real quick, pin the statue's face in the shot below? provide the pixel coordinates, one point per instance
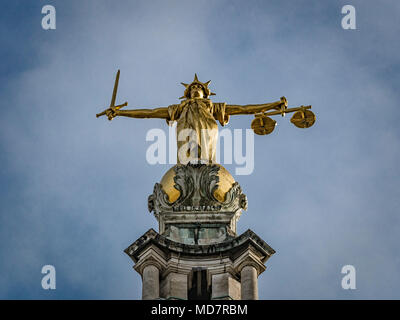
(196, 91)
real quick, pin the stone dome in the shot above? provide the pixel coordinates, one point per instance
(225, 183)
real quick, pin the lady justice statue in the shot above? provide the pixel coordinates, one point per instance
(197, 115)
(197, 253)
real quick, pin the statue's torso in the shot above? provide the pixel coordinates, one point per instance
(196, 124)
(197, 114)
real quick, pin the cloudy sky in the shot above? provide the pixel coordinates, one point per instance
(74, 188)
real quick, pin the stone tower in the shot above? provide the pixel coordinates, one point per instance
(196, 253)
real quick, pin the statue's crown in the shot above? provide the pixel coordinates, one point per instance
(207, 91)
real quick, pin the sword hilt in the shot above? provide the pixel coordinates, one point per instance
(114, 108)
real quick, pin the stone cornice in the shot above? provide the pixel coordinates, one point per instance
(230, 247)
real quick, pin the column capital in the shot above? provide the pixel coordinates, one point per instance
(249, 258)
(151, 256)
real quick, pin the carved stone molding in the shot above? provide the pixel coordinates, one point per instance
(197, 184)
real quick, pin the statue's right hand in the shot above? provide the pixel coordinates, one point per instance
(111, 113)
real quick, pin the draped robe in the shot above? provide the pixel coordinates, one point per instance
(197, 129)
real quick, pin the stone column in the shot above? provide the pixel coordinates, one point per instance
(249, 286)
(225, 287)
(151, 283)
(174, 286)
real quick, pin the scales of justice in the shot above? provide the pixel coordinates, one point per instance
(196, 253)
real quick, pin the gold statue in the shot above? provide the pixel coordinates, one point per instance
(196, 118)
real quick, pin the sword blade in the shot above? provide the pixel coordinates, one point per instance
(114, 95)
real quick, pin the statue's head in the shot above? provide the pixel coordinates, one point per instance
(197, 89)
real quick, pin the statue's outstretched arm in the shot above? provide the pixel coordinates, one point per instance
(161, 113)
(232, 109)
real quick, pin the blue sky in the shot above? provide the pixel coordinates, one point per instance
(74, 188)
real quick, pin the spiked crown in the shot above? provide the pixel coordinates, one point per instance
(204, 85)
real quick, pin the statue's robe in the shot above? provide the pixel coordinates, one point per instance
(197, 129)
